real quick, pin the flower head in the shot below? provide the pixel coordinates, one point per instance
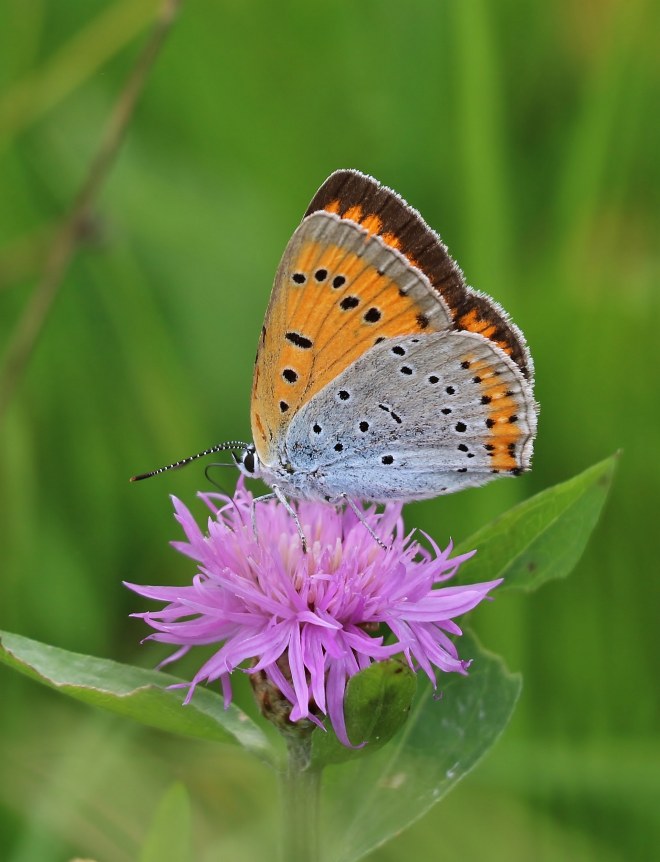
(320, 614)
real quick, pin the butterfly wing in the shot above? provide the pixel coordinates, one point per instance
(339, 290)
(419, 417)
(365, 284)
(363, 199)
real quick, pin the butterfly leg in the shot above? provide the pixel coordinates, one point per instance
(278, 495)
(283, 500)
(360, 517)
(253, 509)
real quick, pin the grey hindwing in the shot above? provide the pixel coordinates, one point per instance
(414, 424)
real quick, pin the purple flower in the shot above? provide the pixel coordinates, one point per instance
(261, 599)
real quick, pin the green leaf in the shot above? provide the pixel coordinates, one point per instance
(542, 538)
(131, 691)
(376, 705)
(170, 834)
(368, 801)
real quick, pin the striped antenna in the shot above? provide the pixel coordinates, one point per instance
(220, 447)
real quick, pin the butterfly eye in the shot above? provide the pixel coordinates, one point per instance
(248, 461)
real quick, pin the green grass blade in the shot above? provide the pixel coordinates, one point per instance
(170, 835)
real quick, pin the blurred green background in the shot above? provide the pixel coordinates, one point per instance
(527, 134)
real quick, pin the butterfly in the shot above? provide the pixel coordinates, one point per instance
(380, 375)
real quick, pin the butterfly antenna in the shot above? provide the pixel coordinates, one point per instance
(220, 447)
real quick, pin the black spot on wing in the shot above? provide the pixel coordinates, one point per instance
(373, 315)
(299, 340)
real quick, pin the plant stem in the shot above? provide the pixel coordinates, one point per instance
(301, 786)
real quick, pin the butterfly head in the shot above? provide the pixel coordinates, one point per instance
(248, 462)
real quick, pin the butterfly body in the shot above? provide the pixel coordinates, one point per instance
(379, 374)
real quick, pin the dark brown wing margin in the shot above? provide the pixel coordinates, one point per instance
(361, 198)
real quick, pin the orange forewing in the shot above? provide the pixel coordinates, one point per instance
(314, 329)
(362, 199)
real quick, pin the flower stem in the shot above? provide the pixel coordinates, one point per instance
(301, 786)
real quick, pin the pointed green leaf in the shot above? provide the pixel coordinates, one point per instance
(170, 834)
(376, 705)
(131, 691)
(369, 801)
(542, 538)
